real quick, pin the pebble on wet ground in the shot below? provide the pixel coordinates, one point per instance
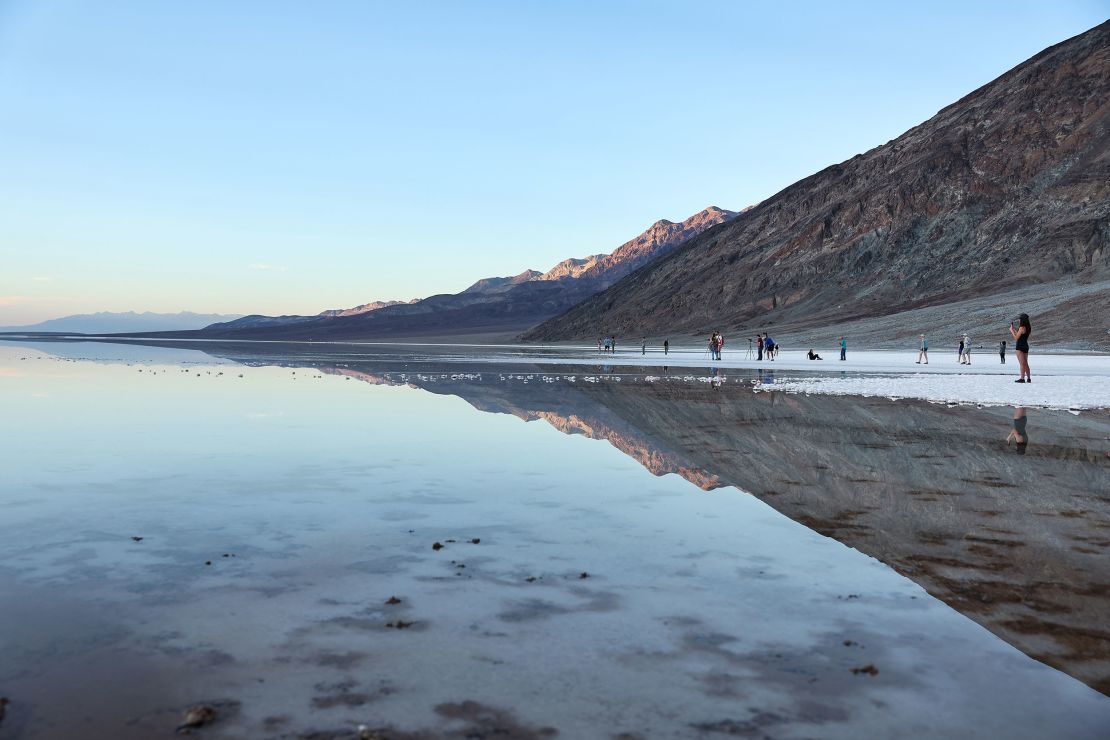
(868, 669)
(393, 600)
(197, 716)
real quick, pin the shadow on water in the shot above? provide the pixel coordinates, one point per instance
(1002, 513)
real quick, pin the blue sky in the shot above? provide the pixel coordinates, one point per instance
(284, 157)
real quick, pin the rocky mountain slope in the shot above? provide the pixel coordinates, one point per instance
(1007, 188)
(490, 307)
(365, 307)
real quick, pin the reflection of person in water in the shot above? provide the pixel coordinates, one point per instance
(1018, 435)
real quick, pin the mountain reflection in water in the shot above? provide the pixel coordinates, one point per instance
(1016, 542)
(1003, 514)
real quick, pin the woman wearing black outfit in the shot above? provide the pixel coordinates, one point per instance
(1021, 347)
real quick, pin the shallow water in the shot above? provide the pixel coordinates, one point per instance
(705, 610)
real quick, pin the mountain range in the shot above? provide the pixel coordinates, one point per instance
(998, 204)
(492, 307)
(106, 322)
(1006, 190)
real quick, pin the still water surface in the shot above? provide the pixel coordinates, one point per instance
(621, 558)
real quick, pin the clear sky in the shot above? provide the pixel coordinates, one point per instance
(287, 157)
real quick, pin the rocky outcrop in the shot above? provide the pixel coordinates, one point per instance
(572, 267)
(486, 285)
(1008, 187)
(364, 308)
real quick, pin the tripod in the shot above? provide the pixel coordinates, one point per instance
(749, 355)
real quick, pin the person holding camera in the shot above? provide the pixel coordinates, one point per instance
(1021, 347)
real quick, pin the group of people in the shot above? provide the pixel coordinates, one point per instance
(1019, 330)
(609, 344)
(716, 344)
(963, 352)
(766, 347)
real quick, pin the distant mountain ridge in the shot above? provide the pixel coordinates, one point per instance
(1006, 188)
(372, 306)
(108, 322)
(493, 306)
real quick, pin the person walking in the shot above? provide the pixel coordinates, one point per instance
(843, 349)
(666, 346)
(643, 346)
(599, 344)
(1021, 347)
(759, 347)
(923, 350)
(1002, 351)
(966, 342)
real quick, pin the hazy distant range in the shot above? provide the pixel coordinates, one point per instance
(107, 322)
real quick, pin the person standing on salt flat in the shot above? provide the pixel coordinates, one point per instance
(967, 350)
(843, 348)
(1002, 351)
(923, 350)
(666, 346)
(643, 346)
(1021, 347)
(720, 344)
(759, 347)
(599, 344)
(960, 352)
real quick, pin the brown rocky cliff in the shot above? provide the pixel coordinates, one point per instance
(1008, 186)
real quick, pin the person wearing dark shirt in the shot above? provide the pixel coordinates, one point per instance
(1021, 333)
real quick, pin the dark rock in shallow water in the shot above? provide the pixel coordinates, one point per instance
(393, 600)
(197, 716)
(437, 547)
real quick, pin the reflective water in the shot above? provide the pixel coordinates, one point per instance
(704, 611)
